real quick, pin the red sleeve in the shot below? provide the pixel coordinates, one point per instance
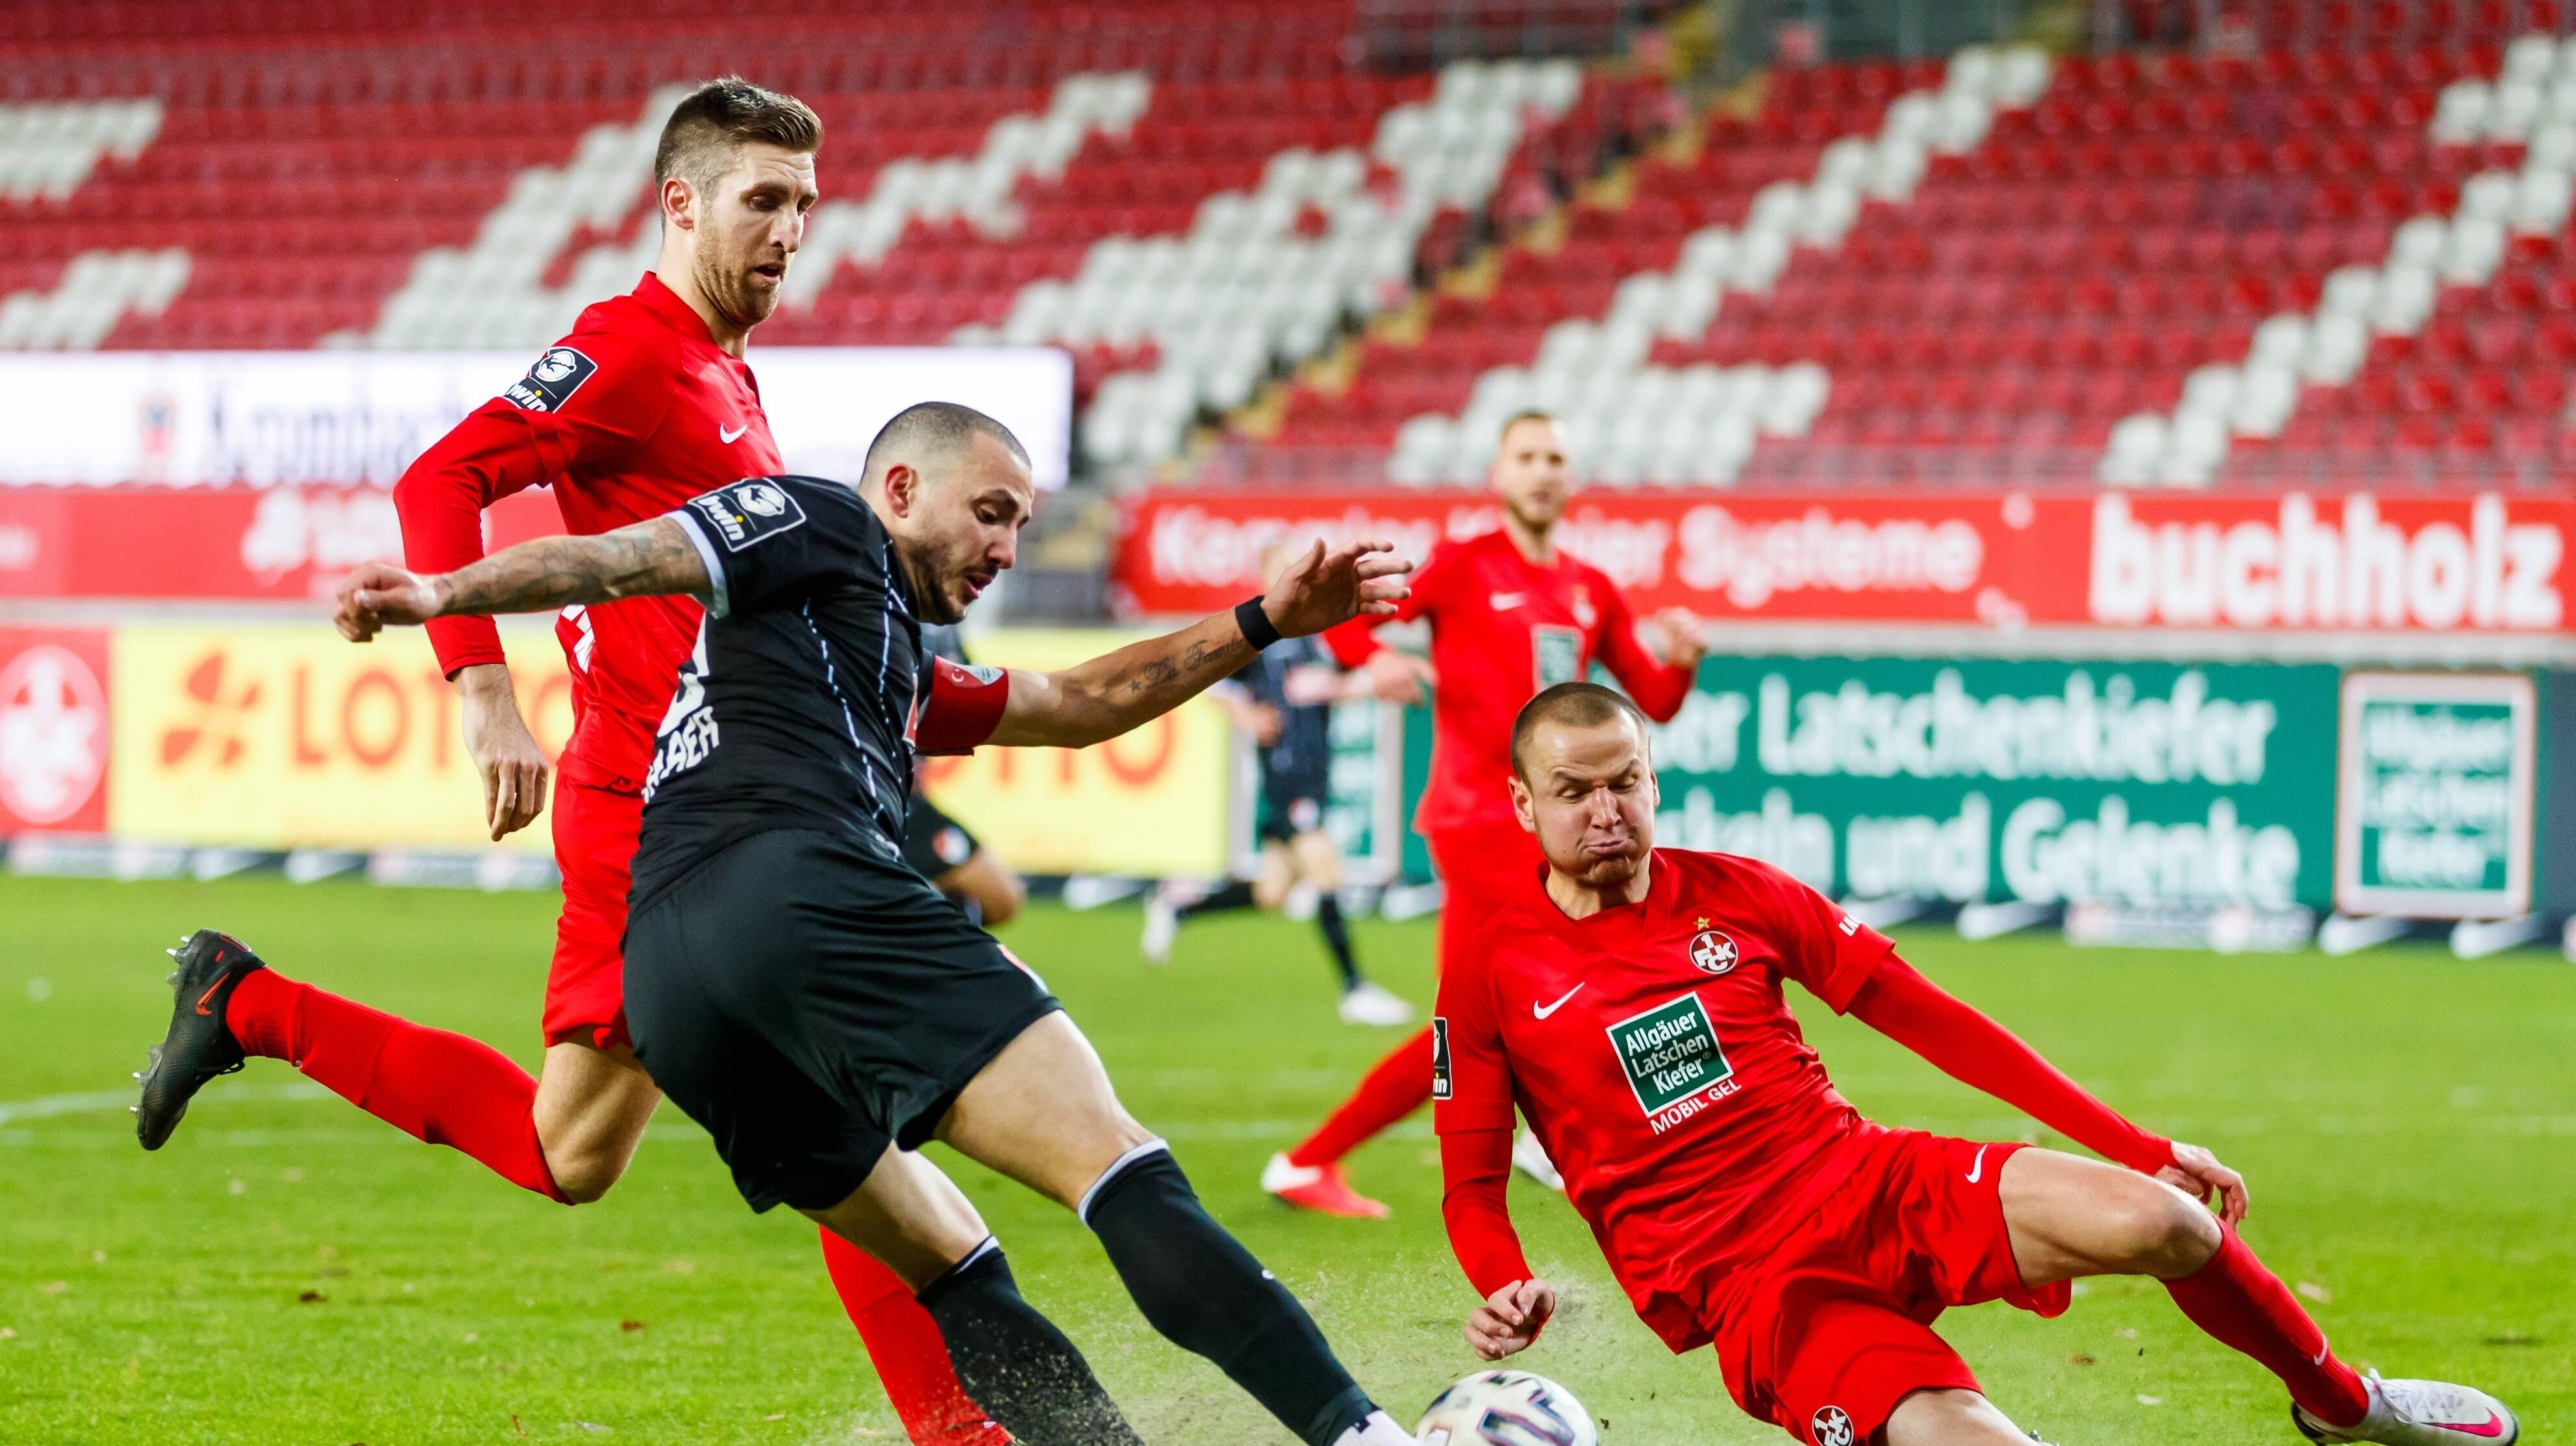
(1476, 1172)
(585, 402)
(1974, 1050)
(1471, 1108)
(964, 707)
(1830, 953)
(1355, 642)
(1657, 689)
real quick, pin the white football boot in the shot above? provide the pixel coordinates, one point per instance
(1162, 926)
(2420, 1413)
(1530, 1158)
(1368, 1003)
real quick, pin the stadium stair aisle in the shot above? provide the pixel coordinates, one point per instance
(2452, 354)
(1628, 381)
(55, 292)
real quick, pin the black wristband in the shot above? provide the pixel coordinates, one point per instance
(1256, 625)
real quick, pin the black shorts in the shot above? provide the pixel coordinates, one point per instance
(809, 1000)
(934, 843)
(1292, 798)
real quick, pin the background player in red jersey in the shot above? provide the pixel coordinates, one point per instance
(1510, 613)
(646, 404)
(1628, 1000)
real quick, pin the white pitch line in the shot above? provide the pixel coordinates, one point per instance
(45, 1107)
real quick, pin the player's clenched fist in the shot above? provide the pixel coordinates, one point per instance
(1510, 1318)
(375, 594)
(2197, 1173)
(1319, 589)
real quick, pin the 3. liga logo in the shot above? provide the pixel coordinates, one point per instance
(1712, 951)
(763, 500)
(557, 364)
(1831, 1427)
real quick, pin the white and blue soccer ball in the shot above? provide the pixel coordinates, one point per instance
(1506, 1408)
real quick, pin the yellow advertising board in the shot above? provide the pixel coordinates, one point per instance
(1151, 803)
(286, 736)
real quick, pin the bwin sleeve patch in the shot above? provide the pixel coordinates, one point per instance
(552, 381)
(742, 513)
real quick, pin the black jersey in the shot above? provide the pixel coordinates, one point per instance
(801, 705)
(1305, 740)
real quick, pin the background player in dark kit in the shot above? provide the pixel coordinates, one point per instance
(946, 852)
(815, 1004)
(1283, 700)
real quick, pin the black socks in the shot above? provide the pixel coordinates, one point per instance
(1337, 937)
(1015, 1363)
(1236, 895)
(1199, 1287)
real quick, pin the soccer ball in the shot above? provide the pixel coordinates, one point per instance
(1506, 1408)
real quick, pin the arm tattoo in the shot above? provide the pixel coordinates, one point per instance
(648, 558)
(1199, 656)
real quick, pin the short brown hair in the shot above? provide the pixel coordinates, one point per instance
(1527, 414)
(709, 127)
(1578, 705)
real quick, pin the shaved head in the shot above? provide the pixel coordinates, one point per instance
(1570, 705)
(954, 488)
(927, 434)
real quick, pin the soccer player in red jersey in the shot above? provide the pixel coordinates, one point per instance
(1510, 613)
(646, 404)
(1628, 1000)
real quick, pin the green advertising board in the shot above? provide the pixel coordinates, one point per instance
(2436, 795)
(2143, 784)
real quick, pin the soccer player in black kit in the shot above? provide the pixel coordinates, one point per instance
(814, 1003)
(1283, 699)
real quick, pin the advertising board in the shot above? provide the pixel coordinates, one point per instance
(2434, 818)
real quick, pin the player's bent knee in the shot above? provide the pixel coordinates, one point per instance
(2163, 1232)
(584, 1176)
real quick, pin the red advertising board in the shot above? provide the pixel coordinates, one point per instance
(214, 544)
(54, 733)
(2476, 563)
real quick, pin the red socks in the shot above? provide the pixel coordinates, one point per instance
(446, 1089)
(2244, 1305)
(905, 1346)
(1399, 1085)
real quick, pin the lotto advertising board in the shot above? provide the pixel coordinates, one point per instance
(2459, 564)
(286, 736)
(1151, 803)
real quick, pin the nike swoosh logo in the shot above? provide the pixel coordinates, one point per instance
(727, 437)
(1544, 1010)
(1977, 1167)
(1502, 600)
(209, 994)
(2491, 1427)
(2322, 1352)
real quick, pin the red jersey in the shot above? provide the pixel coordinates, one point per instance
(631, 415)
(1651, 1049)
(1502, 628)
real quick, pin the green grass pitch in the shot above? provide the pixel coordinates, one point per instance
(289, 1270)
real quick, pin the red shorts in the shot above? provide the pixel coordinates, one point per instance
(1829, 1331)
(1481, 870)
(595, 833)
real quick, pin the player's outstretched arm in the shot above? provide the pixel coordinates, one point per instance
(1475, 1205)
(1961, 1042)
(1100, 699)
(647, 559)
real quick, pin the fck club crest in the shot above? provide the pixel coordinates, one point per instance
(1712, 952)
(1831, 1427)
